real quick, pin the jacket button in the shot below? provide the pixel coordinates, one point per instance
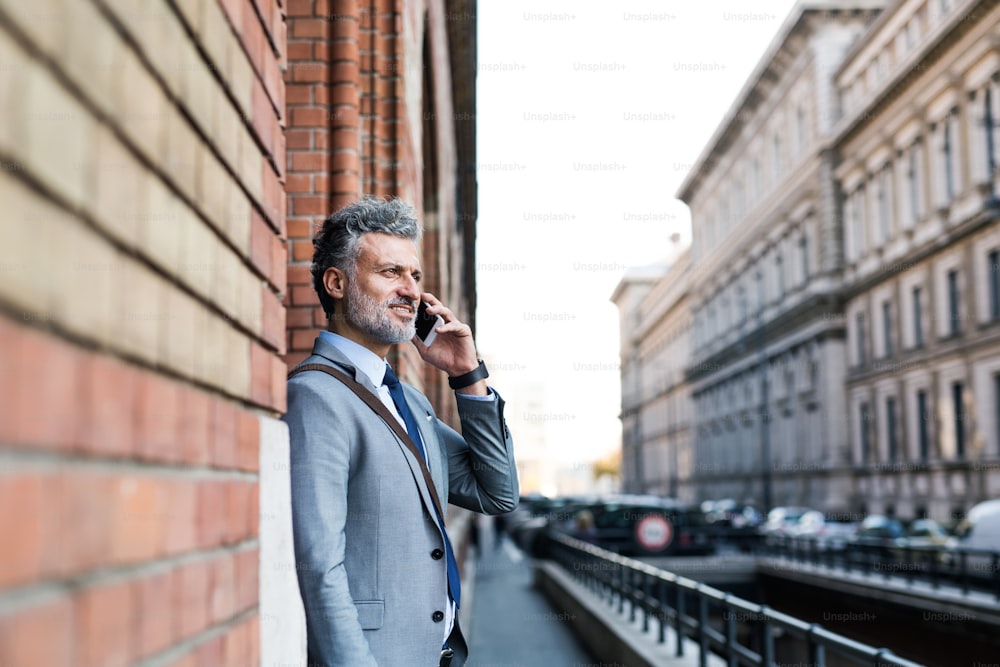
(437, 616)
(437, 554)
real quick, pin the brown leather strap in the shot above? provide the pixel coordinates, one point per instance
(379, 407)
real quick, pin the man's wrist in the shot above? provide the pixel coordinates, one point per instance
(464, 380)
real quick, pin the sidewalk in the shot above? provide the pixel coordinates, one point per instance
(512, 625)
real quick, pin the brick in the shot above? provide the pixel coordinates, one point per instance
(248, 442)
(224, 434)
(108, 396)
(319, 318)
(309, 117)
(181, 516)
(212, 508)
(279, 388)
(247, 578)
(190, 601)
(104, 615)
(154, 615)
(138, 519)
(48, 401)
(300, 318)
(302, 251)
(156, 418)
(260, 379)
(298, 139)
(77, 521)
(273, 198)
(344, 161)
(300, 8)
(21, 508)
(303, 338)
(273, 319)
(193, 433)
(300, 228)
(221, 590)
(308, 162)
(299, 94)
(260, 243)
(321, 138)
(39, 635)
(301, 28)
(345, 138)
(253, 40)
(237, 645)
(299, 274)
(309, 205)
(280, 259)
(211, 653)
(298, 183)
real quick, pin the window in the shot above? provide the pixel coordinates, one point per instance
(991, 159)
(776, 156)
(948, 148)
(804, 250)
(957, 392)
(800, 129)
(755, 178)
(866, 444)
(918, 317)
(891, 429)
(859, 328)
(953, 305)
(996, 409)
(913, 183)
(923, 424)
(884, 199)
(779, 269)
(887, 327)
(993, 279)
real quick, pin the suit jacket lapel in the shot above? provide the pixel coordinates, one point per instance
(332, 354)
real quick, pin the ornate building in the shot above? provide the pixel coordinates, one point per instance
(918, 151)
(767, 364)
(656, 403)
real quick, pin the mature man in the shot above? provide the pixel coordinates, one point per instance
(375, 566)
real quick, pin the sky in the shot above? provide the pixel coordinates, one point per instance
(589, 116)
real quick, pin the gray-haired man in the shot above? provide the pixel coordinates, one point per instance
(376, 570)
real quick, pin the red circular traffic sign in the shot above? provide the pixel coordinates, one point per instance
(654, 532)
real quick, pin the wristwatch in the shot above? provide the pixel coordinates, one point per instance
(472, 377)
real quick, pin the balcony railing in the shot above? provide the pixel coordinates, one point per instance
(741, 632)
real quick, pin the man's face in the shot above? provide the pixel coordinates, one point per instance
(381, 298)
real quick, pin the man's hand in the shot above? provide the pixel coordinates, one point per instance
(454, 350)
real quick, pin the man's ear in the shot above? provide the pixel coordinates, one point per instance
(335, 282)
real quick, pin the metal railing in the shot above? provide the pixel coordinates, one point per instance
(739, 631)
(965, 569)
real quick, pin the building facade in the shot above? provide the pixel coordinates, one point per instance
(918, 148)
(656, 415)
(845, 278)
(766, 370)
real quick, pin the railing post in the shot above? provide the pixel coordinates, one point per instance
(661, 595)
(767, 639)
(631, 595)
(730, 620)
(679, 619)
(817, 652)
(703, 648)
(621, 588)
(645, 602)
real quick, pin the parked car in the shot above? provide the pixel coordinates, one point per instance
(922, 540)
(979, 531)
(639, 526)
(781, 520)
(879, 532)
(828, 533)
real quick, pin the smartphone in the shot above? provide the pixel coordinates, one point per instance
(427, 324)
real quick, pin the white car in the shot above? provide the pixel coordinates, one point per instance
(980, 530)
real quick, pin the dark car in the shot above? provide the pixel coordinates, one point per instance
(878, 535)
(639, 527)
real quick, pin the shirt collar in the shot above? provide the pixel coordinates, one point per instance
(363, 359)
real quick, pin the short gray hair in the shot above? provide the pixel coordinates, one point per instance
(337, 242)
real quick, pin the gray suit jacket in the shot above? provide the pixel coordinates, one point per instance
(367, 544)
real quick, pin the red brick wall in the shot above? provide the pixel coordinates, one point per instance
(142, 268)
(356, 109)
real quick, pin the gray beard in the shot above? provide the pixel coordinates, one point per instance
(365, 313)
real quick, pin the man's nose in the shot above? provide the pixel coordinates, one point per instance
(410, 288)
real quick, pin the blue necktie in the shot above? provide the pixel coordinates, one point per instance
(396, 391)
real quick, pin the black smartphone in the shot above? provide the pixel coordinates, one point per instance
(427, 324)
